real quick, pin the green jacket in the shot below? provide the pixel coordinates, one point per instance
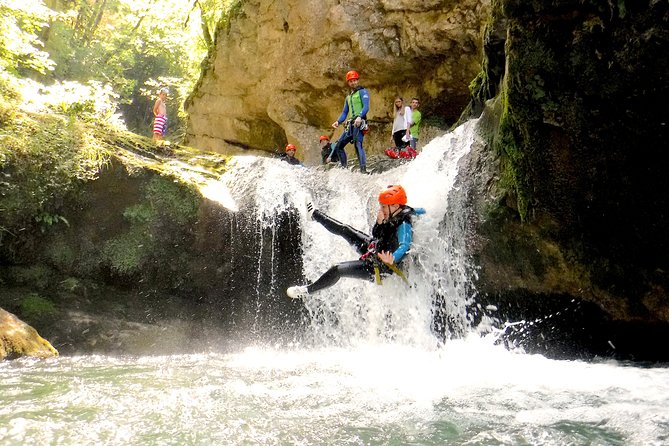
(415, 127)
(356, 104)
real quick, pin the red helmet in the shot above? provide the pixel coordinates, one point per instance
(352, 75)
(393, 195)
(290, 147)
(324, 138)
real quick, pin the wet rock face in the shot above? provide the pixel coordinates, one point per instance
(277, 74)
(570, 199)
(147, 265)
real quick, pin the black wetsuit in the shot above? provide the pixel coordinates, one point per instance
(383, 238)
(329, 151)
(290, 159)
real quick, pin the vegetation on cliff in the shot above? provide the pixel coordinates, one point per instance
(98, 221)
(581, 94)
(131, 47)
(86, 207)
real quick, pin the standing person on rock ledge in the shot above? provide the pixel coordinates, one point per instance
(380, 253)
(416, 118)
(400, 135)
(160, 115)
(354, 114)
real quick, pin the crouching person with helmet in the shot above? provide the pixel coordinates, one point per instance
(380, 253)
(289, 155)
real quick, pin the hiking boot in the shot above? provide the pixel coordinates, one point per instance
(310, 208)
(363, 169)
(297, 292)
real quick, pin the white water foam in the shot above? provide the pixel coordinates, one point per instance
(354, 311)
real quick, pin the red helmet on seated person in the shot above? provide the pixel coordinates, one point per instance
(290, 147)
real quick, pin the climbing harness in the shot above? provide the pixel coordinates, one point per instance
(364, 128)
(370, 256)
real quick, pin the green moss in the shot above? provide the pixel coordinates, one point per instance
(169, 206)
(139, 214)
(478, 87)
(60, 253)
(127, 253)
(37, 276)
(70, 284)
(527, 105)
(35, 307)
(512, 158)
(172, 200)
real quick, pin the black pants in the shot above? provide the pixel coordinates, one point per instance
(357, 269)
(397, 138)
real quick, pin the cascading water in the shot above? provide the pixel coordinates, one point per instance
(354, 312)
(373, 372)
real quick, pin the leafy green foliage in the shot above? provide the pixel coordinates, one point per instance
(47, 220)
(127, 253)
(35, 307)
(20, 47)
(43, 159)
(132, 46)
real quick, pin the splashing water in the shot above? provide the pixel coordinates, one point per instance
(355, 312)
(374, 372)
(467, 393)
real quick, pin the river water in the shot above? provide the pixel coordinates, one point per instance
(371, 368)
(469, 392)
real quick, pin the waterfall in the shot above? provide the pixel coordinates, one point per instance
(355, 312)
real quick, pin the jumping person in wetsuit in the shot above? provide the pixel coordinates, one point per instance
(380, 253)
(356, 107)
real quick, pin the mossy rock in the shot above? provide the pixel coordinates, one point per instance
(19, 339)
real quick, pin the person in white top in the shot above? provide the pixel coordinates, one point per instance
(401, 124)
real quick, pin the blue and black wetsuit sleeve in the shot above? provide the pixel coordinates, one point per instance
(404, 237)
(344, 113)
(364, 95)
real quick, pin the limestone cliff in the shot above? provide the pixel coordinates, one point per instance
(277, 72)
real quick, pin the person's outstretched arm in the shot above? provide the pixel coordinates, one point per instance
(342, 117)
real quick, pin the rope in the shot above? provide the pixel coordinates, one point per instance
(393, 268)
